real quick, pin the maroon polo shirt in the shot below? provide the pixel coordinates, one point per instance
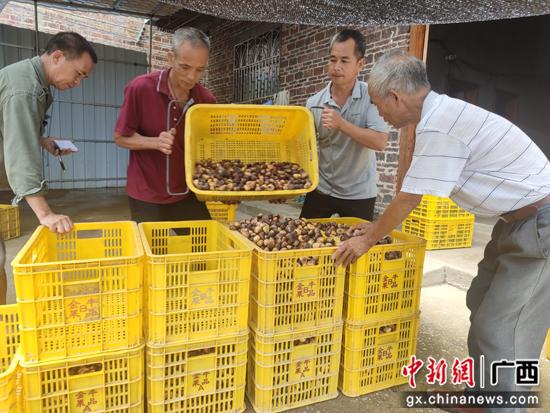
(143, 111)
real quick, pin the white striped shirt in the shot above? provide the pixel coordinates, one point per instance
(482, 161)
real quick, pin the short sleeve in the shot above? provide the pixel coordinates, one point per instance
(130, 112)
(374, 120)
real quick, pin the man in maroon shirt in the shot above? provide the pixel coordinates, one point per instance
(141, 127)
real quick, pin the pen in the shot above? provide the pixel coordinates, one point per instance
(61, 163)
(59, 157)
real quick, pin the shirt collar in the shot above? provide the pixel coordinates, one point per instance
(38, 66)
(162, 85)
(355, 92)
(429, 102)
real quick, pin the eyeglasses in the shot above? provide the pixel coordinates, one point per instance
(80, 75)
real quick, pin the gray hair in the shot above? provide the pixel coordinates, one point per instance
(196, 37)
(399, 71)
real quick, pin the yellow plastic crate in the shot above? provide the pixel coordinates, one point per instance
(109, 382)
(197, 377)
(9, 358)
(250, 133)
(79, 293)
(437, 207)
(286, 296)
(441, 233)
(9, 222)
(290, 370)
(548, 345)
(222, 212)
(382, 284)
(198, 277)
(372, 357)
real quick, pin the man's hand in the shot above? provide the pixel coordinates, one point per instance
(57, 223)
(51, 147)
(361, 228)
(349, 251)
(165, 141)
(331, 119)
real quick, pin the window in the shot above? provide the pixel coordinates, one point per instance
(256, 68)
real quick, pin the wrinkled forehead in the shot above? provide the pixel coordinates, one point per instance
(189, 49)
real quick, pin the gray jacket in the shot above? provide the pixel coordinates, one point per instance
(25, 97)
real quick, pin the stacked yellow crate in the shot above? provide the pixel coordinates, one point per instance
(198, 275)
(381, 304)
(296, 322)
(9, 359)
(79, 301)
(441, 222)
(222, 212)
(9, 222)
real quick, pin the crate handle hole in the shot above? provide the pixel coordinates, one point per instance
(89, 233)
(201, 352)
(390, 328)
(393, 255)
(303, 341)
(307, 261)
(85, 369)
(179, 232)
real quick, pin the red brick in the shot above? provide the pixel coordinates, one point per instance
(386, 178)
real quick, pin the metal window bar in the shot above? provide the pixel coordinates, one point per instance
(256, 68)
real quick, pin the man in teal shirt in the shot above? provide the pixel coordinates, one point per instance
(25, 97)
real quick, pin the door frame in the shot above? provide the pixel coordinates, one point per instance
(418, 46)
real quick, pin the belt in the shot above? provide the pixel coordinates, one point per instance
(525, 212)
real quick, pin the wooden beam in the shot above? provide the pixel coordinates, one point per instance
(418, 43)
(418, 46)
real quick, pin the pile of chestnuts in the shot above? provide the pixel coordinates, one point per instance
(276, 233)
(234, 175)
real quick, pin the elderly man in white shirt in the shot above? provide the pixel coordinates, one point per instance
(488, 166)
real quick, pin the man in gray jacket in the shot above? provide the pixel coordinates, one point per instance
(25, 97)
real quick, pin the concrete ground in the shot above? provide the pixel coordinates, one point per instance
(444, 316)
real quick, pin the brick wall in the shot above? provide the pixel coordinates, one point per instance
(109, 29)
(304, 52)
(220, 68)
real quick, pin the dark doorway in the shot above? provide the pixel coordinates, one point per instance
(502, 66)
